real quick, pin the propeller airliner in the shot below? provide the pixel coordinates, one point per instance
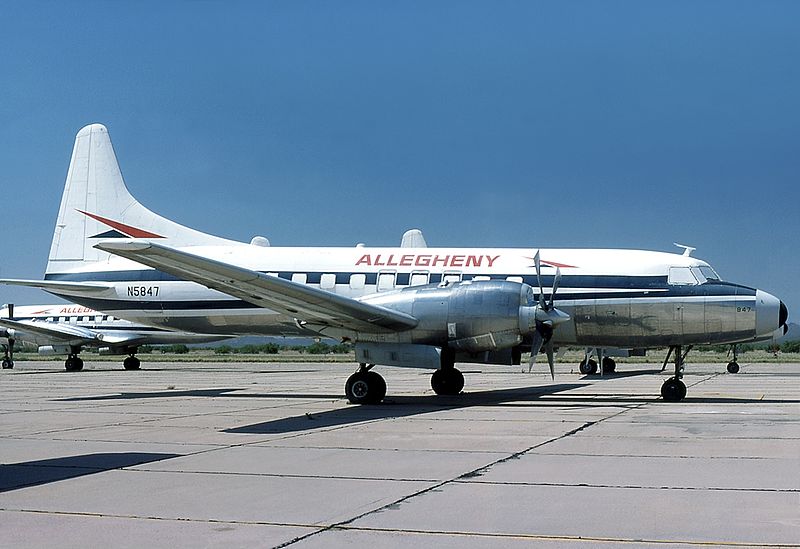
(411, 306)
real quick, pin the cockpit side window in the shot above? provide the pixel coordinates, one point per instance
(681, 276)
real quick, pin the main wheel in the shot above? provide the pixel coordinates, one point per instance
(589, 367)
(447, 382)
(73, 364)
(609, 365)
(673, 390)
(365, 388)
(8, 364)
(131, 363)
(733, 368)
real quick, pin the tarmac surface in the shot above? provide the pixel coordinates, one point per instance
(272, 455)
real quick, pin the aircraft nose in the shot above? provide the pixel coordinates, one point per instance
(771, 313)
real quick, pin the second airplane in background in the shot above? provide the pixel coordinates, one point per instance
(68, 328)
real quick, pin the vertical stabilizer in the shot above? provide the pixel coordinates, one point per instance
(96, 205)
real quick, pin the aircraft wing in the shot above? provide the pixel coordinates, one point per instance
(56, 285)
(291, 298)
(53, 330)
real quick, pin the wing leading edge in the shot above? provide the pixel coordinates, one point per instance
(317, 307)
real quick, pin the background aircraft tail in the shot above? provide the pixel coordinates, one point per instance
(96, 206)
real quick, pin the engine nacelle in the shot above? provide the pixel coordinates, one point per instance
(471, 317)
(111, 351)
(54, 349)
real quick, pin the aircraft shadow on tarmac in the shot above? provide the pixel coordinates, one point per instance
(404, 406)
(14, 476)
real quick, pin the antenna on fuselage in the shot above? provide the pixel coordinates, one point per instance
(687, 250)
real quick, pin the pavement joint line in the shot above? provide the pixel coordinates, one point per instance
(344, 527)
(469, 474)
(477, 471)
(635, 487)
(556, 537)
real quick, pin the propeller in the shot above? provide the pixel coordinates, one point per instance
(547, 317)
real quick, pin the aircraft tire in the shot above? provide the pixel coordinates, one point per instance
(131, 363)
(588, 368)
(73, 364)
(673, 390)
(447, 382)
(733, 368)
(609, 365)
(7, 364)
(365, 388)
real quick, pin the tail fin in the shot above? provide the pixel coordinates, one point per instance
(96, 205)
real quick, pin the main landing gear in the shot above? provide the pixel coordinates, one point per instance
(74, 363)
(368, 387)
(447, 380)
(131, 362)
(365, 386)
(8, 354)
(589, 366)
(733, 366)
(673, 389)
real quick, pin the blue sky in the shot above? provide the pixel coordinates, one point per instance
(562, 124)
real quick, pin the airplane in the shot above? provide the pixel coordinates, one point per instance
(68, 328)
(404, 306)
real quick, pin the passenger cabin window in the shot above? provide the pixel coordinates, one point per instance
(327, 282)
(418, 279)
(299, 277)
(385, 282)
(451, 278)
(514, 278)
(681, 276)
(358, 281)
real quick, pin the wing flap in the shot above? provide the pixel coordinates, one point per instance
(291, 298)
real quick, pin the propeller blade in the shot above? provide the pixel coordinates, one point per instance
(550, 360)
(536, 346)
(537, 262)
(556, 281)
(10, 311)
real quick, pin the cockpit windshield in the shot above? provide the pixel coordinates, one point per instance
(692, 275)
(704, 274)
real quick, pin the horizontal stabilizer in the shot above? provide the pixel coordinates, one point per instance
(55, 285)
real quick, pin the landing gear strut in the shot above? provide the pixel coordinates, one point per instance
(447, 380)
(673, 389)
(364, 386)
(733, 366)
(8, 354)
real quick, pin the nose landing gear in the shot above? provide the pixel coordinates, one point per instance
(673, 389)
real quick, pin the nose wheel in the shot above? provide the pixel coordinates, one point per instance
(673, 389)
